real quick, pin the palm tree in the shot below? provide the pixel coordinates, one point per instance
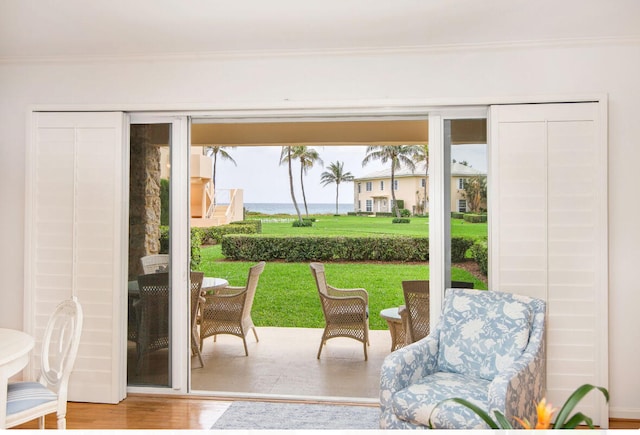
(308, 157)
(398, 155)
(420, 155)
(286, 155)
(336, 175)
(224, 155)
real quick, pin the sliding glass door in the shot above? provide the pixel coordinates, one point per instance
(157, 317)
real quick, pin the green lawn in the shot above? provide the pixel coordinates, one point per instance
(330, 225)
(287, 294)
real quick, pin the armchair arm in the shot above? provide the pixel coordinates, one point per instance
(228, 291)
(518, 388)
(343, 292)
(406, 365)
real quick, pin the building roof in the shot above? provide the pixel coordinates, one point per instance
(457, 170)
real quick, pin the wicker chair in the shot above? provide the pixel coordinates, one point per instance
(197, 300)
(228, 310)
(155, 263)
(415, 312)
(345, 310)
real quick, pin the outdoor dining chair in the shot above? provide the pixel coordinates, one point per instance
(345, 310)
(228, 310)
(155, 263)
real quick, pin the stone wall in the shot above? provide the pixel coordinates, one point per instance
(144, 198)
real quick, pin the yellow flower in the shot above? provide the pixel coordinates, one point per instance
(545, 412)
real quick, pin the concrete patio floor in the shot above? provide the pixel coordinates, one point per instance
(284, 364)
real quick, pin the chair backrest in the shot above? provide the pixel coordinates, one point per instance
(154, 303)
(416, 300)
(317, 270)
(155, 263)
(195, 294)
(60, 345)
(252, 284)
(483, 331)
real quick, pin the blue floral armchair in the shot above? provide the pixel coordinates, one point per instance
(487, 348)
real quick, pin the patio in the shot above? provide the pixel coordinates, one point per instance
(284, 365)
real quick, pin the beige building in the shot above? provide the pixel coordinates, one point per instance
(372, 192)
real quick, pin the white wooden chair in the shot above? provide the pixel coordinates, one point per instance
(30, 400)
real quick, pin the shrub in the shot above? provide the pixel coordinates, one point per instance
(303, 223)
(316, 248)
(480, 253)
(213, 235)
(196, 243)
(457, 215)
(459, 247)
(405, 213)
(475, 218)
(401, 221)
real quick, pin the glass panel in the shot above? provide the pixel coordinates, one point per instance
(148, 345)
(468, 202)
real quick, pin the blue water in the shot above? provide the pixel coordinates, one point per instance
(284, 208)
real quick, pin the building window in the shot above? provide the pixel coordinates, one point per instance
(369, 186)
(395, 184)
(462, 205)
(461, 183)
(359, 187)
(381, 184)
(423, 182)
(359, 205)
(369, 205)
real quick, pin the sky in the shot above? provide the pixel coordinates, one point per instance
(261, 177)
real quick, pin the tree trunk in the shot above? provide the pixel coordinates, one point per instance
(304, 197)
(393, 191)
(293, 196)
(337, 193)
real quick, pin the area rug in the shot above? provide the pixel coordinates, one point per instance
(275, 415)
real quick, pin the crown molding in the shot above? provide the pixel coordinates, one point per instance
(353, 51)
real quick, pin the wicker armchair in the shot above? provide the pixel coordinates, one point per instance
(415, 312)
(197, 300)
(152, 315)
(345, 310)
(155, 263)
(228, 310)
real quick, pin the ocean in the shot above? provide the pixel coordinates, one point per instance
(288, 208)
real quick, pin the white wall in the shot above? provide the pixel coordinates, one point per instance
(472, 75)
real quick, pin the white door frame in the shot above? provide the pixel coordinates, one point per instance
(179, 249)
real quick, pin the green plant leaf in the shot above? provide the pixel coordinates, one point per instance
(576, 419)
(479, 411)
(502, 420)
(573, 400)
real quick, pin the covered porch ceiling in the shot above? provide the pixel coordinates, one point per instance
(382, 132)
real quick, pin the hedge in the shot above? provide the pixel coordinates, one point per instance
(475, 218)
(196, 243)
(213, 235)
(318, 248)
(480, 254)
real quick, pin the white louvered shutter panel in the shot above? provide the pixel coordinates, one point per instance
(549, 234)
(74, 229)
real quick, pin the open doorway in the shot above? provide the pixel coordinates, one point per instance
(283, 362)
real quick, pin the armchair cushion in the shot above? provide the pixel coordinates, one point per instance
(415, 403)
(483, 333)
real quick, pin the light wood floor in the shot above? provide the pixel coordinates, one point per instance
(281, 366)
(144, 412)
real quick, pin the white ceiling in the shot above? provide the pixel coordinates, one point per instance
(69, 28)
